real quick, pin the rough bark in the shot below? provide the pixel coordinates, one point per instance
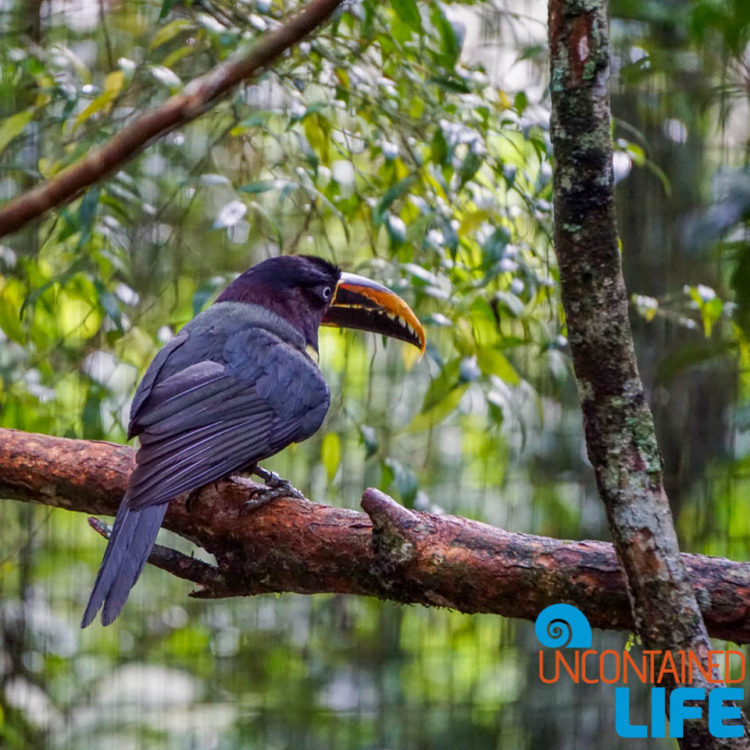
(618, 424)
(198, 95)
(388, 551)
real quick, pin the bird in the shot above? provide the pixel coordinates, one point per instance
(237, 384)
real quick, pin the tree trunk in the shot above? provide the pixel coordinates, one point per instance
(618, 424)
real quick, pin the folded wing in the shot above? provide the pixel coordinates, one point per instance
(199, 424)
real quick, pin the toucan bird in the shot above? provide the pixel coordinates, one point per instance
(236, 385)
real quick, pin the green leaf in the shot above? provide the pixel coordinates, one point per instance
(314, 108)
(442, 384)
(112, 85)
(711, 312)
(71, 224)
(453, 84)
(393, 193)
(261, 186)
(13, 126)
(442, 397)
(109, 303)
(63, 278)
(450, 236)
(169, 31)
(87, 209)
(369, 438)
(494, 246)
(740, 281)
(511, 302)
(493, 362)
(396, 228)
(531, 52)
(421, 275)
(404, 479)
(177, 54)
(330, 454)
(520, 102)
(408, 12)
(255, 120)
(439, 151)
(469, 166)
(449, 43)
(166, 6)
(288, 189)
(11, 302)
(270, 220)
(92, 415)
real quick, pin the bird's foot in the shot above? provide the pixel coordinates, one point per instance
(274, 482)
(276, 487)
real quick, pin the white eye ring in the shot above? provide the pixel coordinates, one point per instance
(326, 293)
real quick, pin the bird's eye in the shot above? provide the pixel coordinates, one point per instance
(326, 293)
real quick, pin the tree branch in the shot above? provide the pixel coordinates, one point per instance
(177, 111)
(619, 428)
(388, 551)
(174, 562)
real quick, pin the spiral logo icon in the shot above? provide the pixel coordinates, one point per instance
(563, 626)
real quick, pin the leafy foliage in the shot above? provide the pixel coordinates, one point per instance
(374, 144)
(379, 144)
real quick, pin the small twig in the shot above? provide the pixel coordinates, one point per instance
(178, 564)
(200, 94)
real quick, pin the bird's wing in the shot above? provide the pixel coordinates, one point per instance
(200, 419)
(212, 418)
(147, 383)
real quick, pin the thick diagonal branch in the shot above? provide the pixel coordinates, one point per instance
(619, 428)
(389, 552)
(177, 111)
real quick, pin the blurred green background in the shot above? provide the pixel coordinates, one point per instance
(408, 141)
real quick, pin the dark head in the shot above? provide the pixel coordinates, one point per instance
(298, 288)
(308, 291)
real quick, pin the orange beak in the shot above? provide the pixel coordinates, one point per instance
(366, 305)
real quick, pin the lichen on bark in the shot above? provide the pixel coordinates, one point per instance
(618, 424)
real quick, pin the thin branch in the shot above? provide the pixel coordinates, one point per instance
(388, 551)
(174, 562)
(199, 95)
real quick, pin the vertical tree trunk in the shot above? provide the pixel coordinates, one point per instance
(618, 424)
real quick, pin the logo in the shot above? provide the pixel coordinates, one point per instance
(565, 629)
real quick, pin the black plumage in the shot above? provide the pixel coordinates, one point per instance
(234, 387)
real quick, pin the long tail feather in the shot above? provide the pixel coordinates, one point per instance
(133, 535)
